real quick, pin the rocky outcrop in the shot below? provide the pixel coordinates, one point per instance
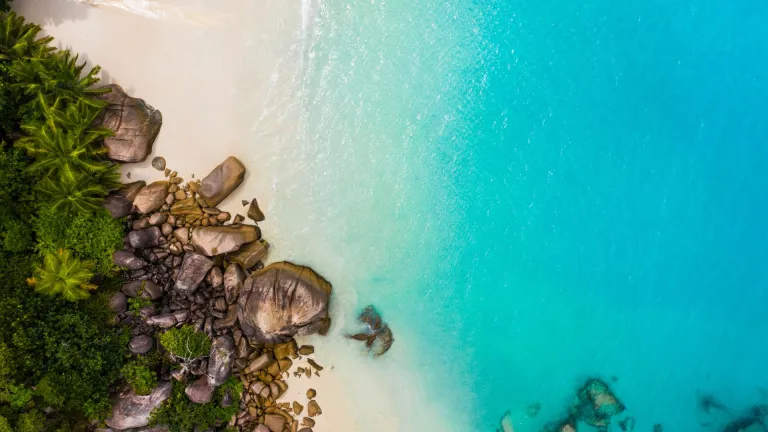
(250, 254)
(194, 267)
(132, 411)
(220, 360)
(283, 300)
(225, 178)
(133, 123)
(215, 240)
(151, 197)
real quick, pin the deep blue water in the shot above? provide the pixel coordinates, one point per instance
(536, 192)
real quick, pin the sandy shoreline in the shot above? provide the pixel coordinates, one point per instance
(215, 103)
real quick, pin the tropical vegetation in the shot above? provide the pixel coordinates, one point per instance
(60, 352)
(179, 414)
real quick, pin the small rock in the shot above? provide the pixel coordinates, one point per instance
(146, 238)
(254, 212)
(285, 364)
(140, 344)
(313, 409)
(233, 282)
(217, 185)
(145, 289)
(194, 187)
(140, 224)
(181, 316)
(228, 320)
(306, 429)
(260, 389)
(158, 219)
(311, 393)
(223, 216)
(221, 359)
(170, 199)
(194, 267)
(314, 364)
(212, 241)
(284, 350)
(306, 421)
(238, 219)
(298, 408)
(306, 350)
(259, 363)
(128, 260)
(162, 321)
(250, 254)
(274, 422)
(117, 205)
(200, 391)
(158, 163)
(215, 278)
(182, 235)
(220, 304)
(166, 229)
(151, 197)
(118, 303)
(180, 195)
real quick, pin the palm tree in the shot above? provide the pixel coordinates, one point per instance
(64, 144)
(62, 273)
(18, 39)
(83, 195)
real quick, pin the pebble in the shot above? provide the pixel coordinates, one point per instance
(180, 194)
(167, 171)
(306, 421)
(314, 364)
(173, 188)
(158, 163)
(311, 393)
(298, 408)
(238, 219)
(313, 409)
(306, 350)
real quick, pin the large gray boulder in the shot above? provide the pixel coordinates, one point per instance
(221, 359)
(281, 301)
(250, 254)
(151, 197)
(215, 240)
(234, 277)
(193, 271)
(217, 185)
(132, 411)
(133, 123)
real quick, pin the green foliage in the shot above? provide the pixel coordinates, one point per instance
(31, 421)
(17, 201)
(93, 236)
(135, 304)
(182, 415)
(62, 273)
(4, 425)
(185, 343)
(141, 379)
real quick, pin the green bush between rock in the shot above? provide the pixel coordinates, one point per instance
(141, 379)
(180, 414)
(185, 343)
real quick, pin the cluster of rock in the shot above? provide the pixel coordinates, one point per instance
(193, 264)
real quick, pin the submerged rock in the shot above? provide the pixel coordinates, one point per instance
(225, 178)
(506, 423)
(132, 411)
(377, 335)
(133, 123)
(281, 301)
(749, 424)
(215, 240)
(194, 267)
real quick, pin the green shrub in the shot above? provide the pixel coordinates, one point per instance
(62, 273)
(185, 343)
(17, 201)
(4, 426)
(94, 236)
(31, 421)
(135, 304)
(141, 379)
(180, 414)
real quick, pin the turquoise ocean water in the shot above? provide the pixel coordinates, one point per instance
(535, 192)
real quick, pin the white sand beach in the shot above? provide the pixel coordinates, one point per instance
(215, 102)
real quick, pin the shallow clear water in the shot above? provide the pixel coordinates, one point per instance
(534, 192)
